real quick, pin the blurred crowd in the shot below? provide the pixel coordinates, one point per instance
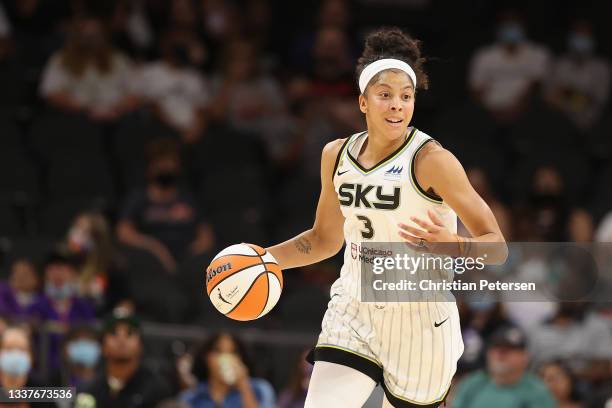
(138, 137)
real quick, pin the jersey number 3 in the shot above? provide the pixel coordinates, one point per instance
(368, 231)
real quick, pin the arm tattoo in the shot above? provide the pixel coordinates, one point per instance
(303, 245)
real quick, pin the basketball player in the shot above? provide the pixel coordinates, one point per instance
(391, 183)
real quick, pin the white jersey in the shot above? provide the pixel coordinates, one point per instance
(411, 348)
(373, 201)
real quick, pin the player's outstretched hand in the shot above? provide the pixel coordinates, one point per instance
(432, 237)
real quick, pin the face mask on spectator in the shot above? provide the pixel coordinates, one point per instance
(60, 293)
(15, 362)
(80, 240)
(84, 352)
(511, 33)
(24, 298)
(580, 44)
(166, 178)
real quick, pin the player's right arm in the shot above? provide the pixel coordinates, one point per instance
(326, 236)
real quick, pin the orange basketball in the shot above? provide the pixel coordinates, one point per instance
(244, 282)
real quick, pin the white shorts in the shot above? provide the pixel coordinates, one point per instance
(411, 348)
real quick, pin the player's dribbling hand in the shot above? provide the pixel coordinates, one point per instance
(432, 237)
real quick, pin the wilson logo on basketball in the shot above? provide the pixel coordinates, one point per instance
(214, 272)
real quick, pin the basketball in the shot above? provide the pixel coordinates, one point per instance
(244, 282)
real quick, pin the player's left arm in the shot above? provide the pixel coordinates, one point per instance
(439, 170)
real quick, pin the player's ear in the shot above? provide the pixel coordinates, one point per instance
(363, 105)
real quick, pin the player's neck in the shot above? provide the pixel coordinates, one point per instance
(377, 146)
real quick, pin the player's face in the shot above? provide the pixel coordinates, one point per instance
(389, 104)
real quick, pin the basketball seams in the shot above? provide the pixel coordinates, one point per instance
(265, 303)
(267, 280)
(256, 249)
(246, 293)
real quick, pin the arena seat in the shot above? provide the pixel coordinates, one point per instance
(56, 215)
(72, 173)
(11, 224)
(129, 146)
(150, 282)
(54, 131)
(14, 88)
(10, 136)
(18, 176)
(35, 249)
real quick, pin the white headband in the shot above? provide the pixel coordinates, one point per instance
(380, 65)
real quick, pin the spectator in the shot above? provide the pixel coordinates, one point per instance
(60, 302)
(221, 368)
(164, 219)
(503, 76)
(101, 277)
(579, 83)
(332, 71)
(88, 75)
(184, 15)
(332, 80)
(220, 20)
(5, 24)
(174, 89)
(561, 384)
(251, 100)
(131, 28)
(547, 204)
(479, 180)
(257, 23)
(125, 381)
(82, 352)
(3, 324)
(602, 397)
(506, 383)
(5, 34)
(604, 229)
(294, 395)
(577, 335)
(480, 320)
(22, 290)
(332, 14)
(16, 363)
(532, 310)
(580, 226)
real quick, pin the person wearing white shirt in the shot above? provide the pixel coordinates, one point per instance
(579, 84)
(503, 76)
(177, 92)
